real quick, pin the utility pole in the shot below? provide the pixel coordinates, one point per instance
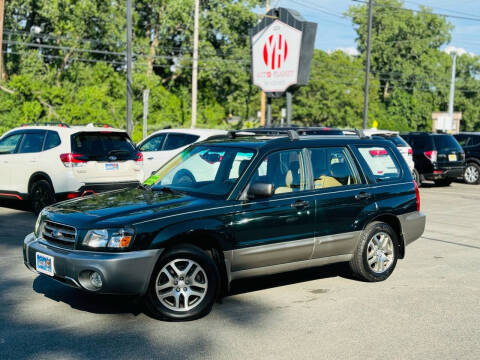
(263, 99)
(452, 86)
(129, 68)
(195, 66)
(2, 7)
(367, 67)
(146, 93)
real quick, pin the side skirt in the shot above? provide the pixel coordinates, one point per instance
(275, 269)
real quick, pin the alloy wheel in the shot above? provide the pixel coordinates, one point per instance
(471, 174)
(380, 255)
(181, 285)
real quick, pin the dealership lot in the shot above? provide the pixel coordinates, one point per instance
(428, 308)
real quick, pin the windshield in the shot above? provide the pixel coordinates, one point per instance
(203, 169)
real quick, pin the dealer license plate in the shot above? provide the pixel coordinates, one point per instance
(44, 264)
(111, 166)
(452, 157)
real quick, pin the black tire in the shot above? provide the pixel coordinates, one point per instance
(154, 306)
(416, 177)
(41, 195)
(443, 182)
(359, 263)
(474, 176)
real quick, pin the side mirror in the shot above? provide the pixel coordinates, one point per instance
(260, 190)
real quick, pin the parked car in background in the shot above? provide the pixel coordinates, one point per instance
(49, 163)
(470, 142)
(402, 146)
(249, 206)
(164, 144)
(437, 157)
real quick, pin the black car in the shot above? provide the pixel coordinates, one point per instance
(470, 142)
(437, 157)
(234, 208)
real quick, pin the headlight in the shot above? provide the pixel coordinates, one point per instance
(37, 224)
(113, 238)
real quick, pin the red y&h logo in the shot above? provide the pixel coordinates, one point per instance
(275, 51)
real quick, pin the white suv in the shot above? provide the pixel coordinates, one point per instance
(45, 164)
(163, 145)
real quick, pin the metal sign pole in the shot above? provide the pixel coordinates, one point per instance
(289, 108)
(367, 67)
(129, 68)
(146, 93)
(269, 111)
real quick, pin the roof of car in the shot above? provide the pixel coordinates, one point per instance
(468, 133)
(196, 131)
(70, 129)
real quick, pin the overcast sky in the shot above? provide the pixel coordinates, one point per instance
(336, 32)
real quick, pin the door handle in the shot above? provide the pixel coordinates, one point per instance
(363, 196)
(300, 204)
(150, 158)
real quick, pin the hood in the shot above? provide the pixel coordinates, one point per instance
(121, 208)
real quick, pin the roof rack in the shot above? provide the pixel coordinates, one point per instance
(48, 123)
(292, 134)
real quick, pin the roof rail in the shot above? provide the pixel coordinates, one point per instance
(292, 134)
(47, 123)
(361, 134)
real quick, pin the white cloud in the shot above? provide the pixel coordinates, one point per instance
(352, 51)
(460, 51)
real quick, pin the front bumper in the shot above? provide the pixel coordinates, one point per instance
(451, 173)
(121, 273)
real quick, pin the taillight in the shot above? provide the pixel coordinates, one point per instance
(378, 152)
(139, 157)
(431, 155)
(410, 151)
(417, 194)
(73, 160)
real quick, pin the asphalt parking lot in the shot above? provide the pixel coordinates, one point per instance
(427, 309)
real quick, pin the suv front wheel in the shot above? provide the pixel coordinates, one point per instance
(376, 254)
(184, 285)
(472, 173)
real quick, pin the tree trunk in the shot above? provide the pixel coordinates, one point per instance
(386, 89)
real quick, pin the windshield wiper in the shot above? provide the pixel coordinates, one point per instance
(144, 187)
(168, 190)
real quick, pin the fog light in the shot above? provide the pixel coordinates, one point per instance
(96, 280)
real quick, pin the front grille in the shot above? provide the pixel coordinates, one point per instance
(59, 234)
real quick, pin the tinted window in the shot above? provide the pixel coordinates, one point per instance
(101, 145)
(443, 142)
(397, 140)
(332, 167)
(381, 162)
(422, 143)
(32, 143)
(475, 140)
(53, 140)
(153, 144)
(9, 143)
(463, 140)
(283, 169)
(175, 141)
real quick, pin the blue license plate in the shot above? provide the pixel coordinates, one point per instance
(44, 264)
(111, 166)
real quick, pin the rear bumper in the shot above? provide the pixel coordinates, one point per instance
(93, 188)
(413, 226)
(121, 273)
(451, 173)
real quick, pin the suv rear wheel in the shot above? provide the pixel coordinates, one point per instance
(472, 173)
(41, 195)
(184, 284)
(416, 177)
(377, 251)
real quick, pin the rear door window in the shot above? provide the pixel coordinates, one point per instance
(175, 141)
(446, 142)
(381, 162)
(9, 143)
(32, 142)
(333, 167)
(102, 146)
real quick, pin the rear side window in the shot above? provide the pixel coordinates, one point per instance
(333, 167)
(446, 142)
(32, 143)
(422, 143)
(381, 162)
(175, 141)
(397, 140)
(9, 143)
(101, 145)
(53, 140)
